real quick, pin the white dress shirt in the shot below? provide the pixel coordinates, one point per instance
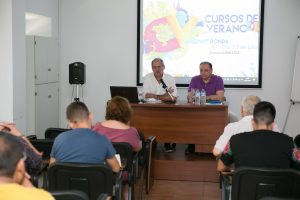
(151, 85)
(244, 125)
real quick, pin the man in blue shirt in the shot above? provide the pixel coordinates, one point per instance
(82, 145)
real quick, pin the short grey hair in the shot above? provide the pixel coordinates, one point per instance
(158, 59)
(249, 102)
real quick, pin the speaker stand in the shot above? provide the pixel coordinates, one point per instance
(77, 93)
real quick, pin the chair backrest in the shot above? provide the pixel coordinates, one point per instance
(125, 151)
(278, 198)
(52, 133)
(255, 183)
(151, 147)
(69, 195)
(91, 179)
(142, 154)
(297, 140)
(43, 145)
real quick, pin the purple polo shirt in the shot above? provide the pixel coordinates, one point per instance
(215, 84)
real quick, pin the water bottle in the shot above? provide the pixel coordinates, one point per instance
(202, 97)
(197, 97)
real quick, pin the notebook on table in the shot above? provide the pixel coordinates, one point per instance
(129, 92)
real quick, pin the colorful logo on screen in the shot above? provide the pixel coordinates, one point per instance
(171, 32)
(178, 29)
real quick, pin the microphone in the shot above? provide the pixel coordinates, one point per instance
(164, 85)
(166, 88)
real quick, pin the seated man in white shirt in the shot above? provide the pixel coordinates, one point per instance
(244, 125)
(160, 86)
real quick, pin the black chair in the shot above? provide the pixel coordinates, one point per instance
(52, 133)
(277, 198)
(43, 145)
(297, 140)
(31, 137)
(91, 179)
(125, 151)
(256, 183)
(69, 195)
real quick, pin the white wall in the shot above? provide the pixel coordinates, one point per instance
(19, 65)
(12, 56)
(45, 9)
(6, 67)
(102, 34)
(12, 51)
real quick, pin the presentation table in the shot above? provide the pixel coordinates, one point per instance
(181, 123)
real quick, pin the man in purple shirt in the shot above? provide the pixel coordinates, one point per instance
(213, 86)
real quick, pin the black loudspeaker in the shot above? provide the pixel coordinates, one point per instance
(77, 73)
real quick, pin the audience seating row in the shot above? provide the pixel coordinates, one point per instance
(95, 179)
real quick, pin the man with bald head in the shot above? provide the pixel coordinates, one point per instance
(244, 125)
(211, 83)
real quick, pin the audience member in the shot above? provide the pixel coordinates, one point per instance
(243, 125)
(212, 84)
(117, 125)
(33, 160)
(117, 129)
(161, 86)
(14, 182)
(81, 144)
(262, 147)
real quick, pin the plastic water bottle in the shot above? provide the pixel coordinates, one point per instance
(197, 97)
(202, 97)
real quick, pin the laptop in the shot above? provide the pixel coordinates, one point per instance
(129, 92)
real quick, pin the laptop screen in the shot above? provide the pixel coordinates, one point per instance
(129, 92)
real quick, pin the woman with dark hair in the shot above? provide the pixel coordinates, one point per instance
(117, 128)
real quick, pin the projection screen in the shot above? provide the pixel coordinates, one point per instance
(184, 33)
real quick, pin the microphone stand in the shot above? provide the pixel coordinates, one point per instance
(77, 94)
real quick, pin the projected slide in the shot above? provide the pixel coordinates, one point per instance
(186, 32)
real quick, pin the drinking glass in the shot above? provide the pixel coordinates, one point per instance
(141, 94)
(193, 91)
